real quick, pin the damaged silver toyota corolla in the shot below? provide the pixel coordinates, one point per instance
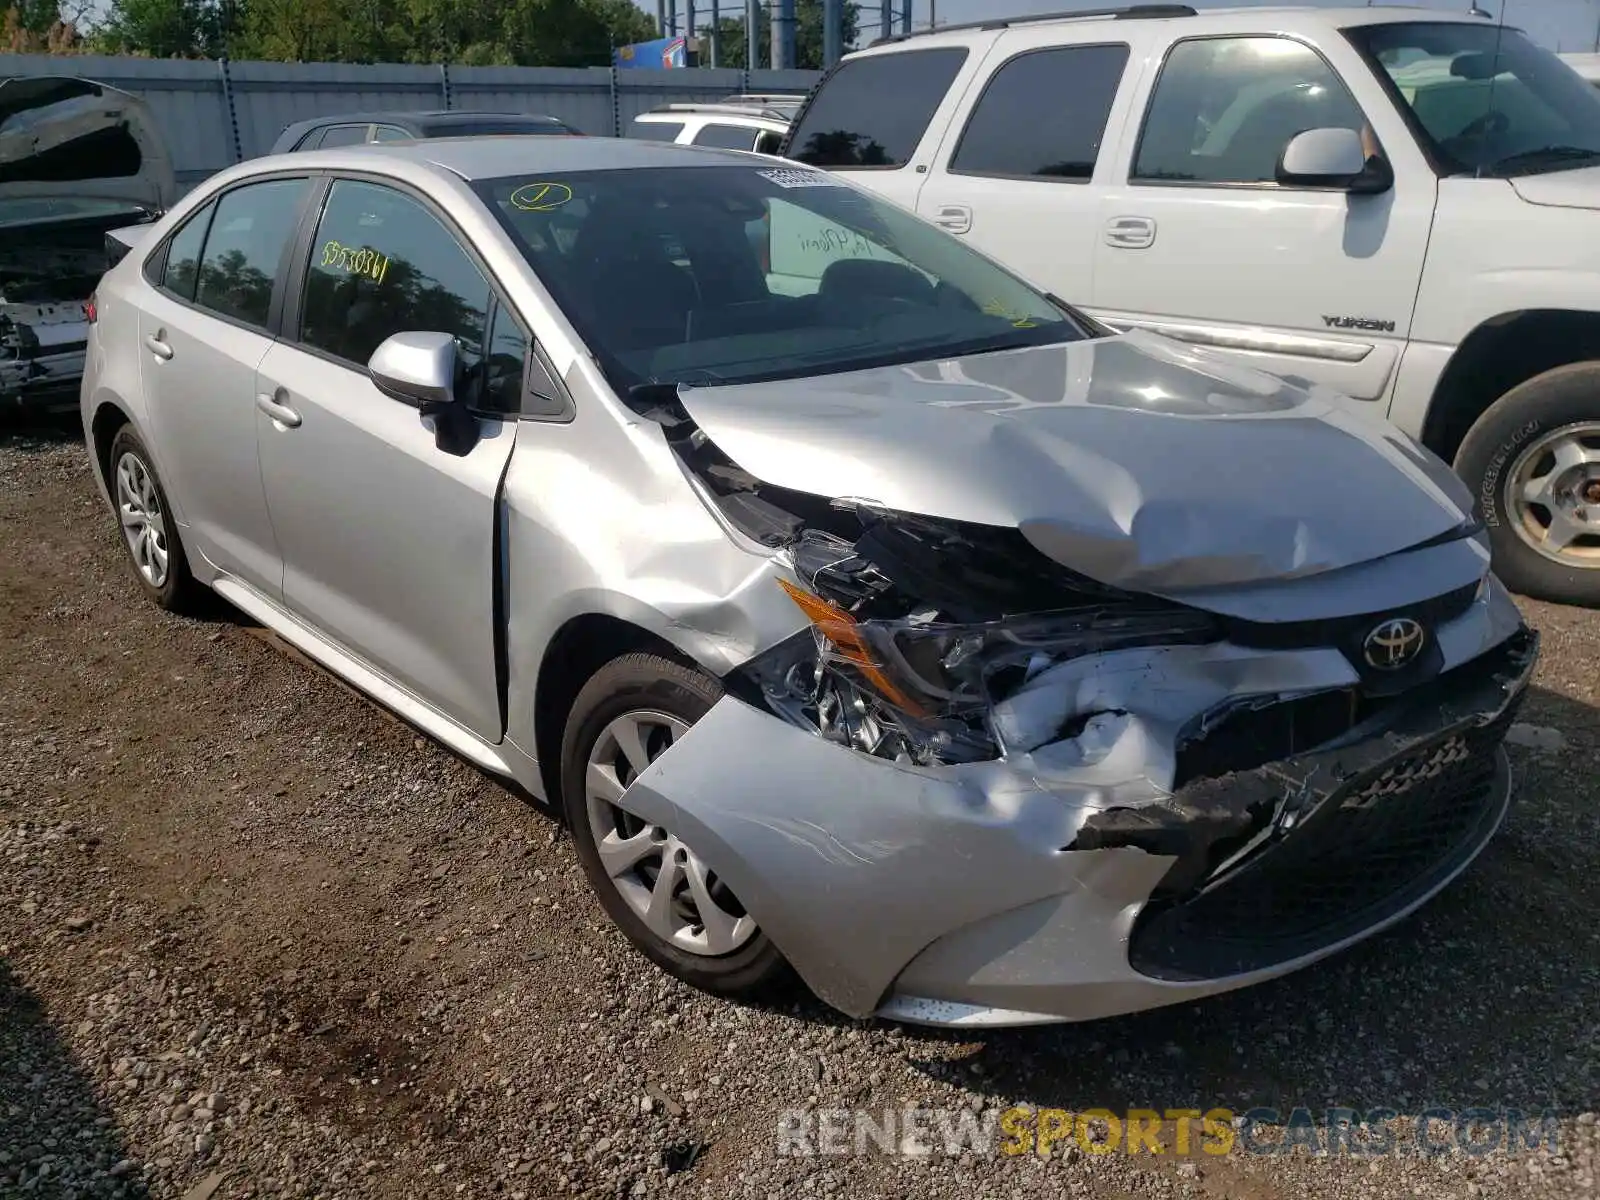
(865, 609)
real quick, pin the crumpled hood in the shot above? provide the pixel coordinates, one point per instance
(74, 138)
(1561, 189)
(1133, 460)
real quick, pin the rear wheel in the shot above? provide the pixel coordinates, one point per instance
(149, 533)
(652, 884)
(1533, 463)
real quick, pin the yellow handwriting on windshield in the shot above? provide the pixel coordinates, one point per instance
(357, 260)
(540, 197)
(997, 308)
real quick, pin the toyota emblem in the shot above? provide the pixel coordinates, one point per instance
(1394, 644)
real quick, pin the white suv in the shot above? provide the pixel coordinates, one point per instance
(1402, 204)
(738, 123)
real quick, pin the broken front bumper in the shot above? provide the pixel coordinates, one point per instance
(988, 893)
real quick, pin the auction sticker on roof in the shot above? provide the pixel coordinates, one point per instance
(789, 177)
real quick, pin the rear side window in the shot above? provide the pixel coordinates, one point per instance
(1043, 115)
(239, 269)
(657, 131)
(872, 112)
(725, 137)
(182, 266)
(1223, 109)
(383, 264)
(390, 133)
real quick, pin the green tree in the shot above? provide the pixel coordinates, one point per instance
(807, 37)
(167, 28)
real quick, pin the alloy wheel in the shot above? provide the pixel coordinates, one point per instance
(1553, 495)
(679, 899)
(144, 524)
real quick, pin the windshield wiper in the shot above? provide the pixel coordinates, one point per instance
(1543, 156)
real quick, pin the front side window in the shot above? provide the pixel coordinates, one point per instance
(342, 135)
(1484, 100)
(731, 274)
(1043, 115)
(725, 137)
(182, 266)
(382, 264)
(1223, 109)
(874, 111)
(245, 244)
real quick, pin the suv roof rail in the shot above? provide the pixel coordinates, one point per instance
(1133, 12)
(734, 106)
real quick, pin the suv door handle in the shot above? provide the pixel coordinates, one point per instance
(1131, 233)
(282, 413)
(159, 348)
(957, 218)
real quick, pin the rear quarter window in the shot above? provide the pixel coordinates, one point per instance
(874, 111)
(657, 131)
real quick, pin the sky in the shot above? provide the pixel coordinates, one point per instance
(1557, 24)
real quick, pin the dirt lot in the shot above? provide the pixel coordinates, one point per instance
(259, 939)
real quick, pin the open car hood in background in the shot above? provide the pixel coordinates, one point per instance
(77, 139)
(1133, 460)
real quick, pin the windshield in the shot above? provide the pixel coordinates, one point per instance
(732, 274)
(1484, 99)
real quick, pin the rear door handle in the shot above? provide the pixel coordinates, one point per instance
(272, 404)
(159, 348)
(957, 218)
(1131, 233)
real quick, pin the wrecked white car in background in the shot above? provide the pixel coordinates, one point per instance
(78, 159)
(869, 611)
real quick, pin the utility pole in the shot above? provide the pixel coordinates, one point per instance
(752, 34)
(905, 16)
(783, 35)
(933, 14)
(688, 30)
(716, 34)
(832, 33)
(886, 19)
(661, 16)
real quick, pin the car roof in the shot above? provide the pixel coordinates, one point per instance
(1266, 15)
(497, 156)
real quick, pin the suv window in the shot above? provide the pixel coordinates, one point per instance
(768, 142)
(872, 112)
(390, 133)
(1224, 109)
(182, 265)
(1043, 114)
(244, 247)
(657, 131)
(343, 135)
(383, 264)
(725, 137)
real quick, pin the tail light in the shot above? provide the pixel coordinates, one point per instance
(90, 309)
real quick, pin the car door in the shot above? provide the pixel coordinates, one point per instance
(1016, 176)
(203, 331)
(388, 541)
(1198, 239)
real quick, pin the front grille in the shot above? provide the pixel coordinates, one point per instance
(1371, 849)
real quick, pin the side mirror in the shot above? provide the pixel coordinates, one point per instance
(420, 369)
(1333, 158)
(416, 368)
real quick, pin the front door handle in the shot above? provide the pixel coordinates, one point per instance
(272, 404)
(1131, 233)
(957, 218)
(156, 346)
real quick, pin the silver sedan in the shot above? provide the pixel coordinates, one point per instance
(866, 611)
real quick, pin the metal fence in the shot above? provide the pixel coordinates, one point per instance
(216, 113)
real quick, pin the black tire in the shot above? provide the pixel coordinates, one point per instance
(1532, 410)
(632, 683)
(178, 592)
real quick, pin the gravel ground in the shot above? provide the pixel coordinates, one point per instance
(257, 938)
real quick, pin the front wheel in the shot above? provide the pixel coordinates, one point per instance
(1533, 463)
(653, 885)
